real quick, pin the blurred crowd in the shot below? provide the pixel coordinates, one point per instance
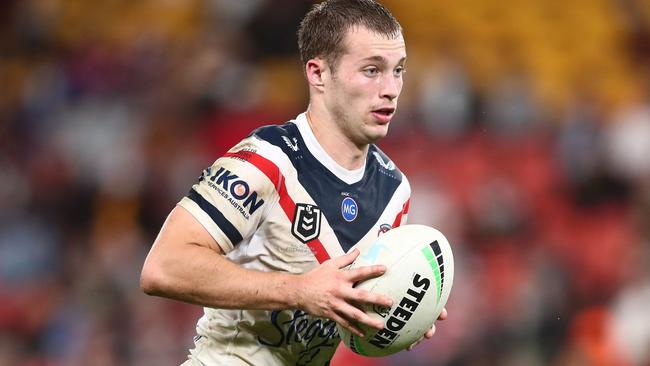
(524, 127)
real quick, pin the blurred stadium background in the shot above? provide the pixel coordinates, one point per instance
(524, 127)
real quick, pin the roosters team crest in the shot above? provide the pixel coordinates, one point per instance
(306, 222)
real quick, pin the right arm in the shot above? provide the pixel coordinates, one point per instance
(187, 264)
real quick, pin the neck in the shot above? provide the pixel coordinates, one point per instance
(335, 142)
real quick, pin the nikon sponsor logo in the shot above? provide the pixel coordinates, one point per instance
(402, 312)
(234, 189)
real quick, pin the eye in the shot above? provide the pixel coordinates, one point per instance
(399, 70)
(371, 71)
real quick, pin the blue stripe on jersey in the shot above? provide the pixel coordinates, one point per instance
(229, 229)
(371, 194)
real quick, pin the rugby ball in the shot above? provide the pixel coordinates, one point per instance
(419, 276)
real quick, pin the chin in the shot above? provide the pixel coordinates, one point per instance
(377, 132)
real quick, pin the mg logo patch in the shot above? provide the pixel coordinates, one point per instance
(306, 222)
(349, 209)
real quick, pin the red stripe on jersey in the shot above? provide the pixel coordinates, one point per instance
(272, 171)
(405, 210)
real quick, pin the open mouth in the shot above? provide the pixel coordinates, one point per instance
(385, 111)
(383, 115)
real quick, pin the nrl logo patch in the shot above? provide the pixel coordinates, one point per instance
(306, 222)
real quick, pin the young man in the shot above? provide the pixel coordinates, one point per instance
(261, 239)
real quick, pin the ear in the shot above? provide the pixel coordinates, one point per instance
(315, 70)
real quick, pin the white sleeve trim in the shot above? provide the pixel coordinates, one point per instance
(204, 219)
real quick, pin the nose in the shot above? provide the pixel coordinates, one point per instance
(391, 87)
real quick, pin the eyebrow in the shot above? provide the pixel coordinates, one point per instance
(381, 59)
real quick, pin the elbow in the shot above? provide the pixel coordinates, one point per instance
(152, 278)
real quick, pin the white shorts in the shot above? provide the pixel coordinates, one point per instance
(203, 355)
(206, 352)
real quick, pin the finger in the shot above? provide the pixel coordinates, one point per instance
(361, 296)
(349, 326)
(346, 259)
(429, 334)
(443, 314)
(358, 316)
(366, 272)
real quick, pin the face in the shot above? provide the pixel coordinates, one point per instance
(361, 94)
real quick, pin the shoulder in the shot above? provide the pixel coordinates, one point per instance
(265, 150)
(277, 135)
(274, 142)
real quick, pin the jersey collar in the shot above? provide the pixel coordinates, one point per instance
(348, 176)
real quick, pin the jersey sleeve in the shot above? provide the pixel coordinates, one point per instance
(232, 196)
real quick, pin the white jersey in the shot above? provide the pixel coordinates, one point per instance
(278, 202)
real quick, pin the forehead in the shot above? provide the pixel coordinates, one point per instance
(361, 43)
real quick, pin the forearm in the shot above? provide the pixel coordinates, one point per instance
(199, 274)
(186, 263)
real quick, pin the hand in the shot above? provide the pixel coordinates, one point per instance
(328, 291)
(430, 332)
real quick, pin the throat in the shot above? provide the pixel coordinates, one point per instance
(352, 162)
(337, 144)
